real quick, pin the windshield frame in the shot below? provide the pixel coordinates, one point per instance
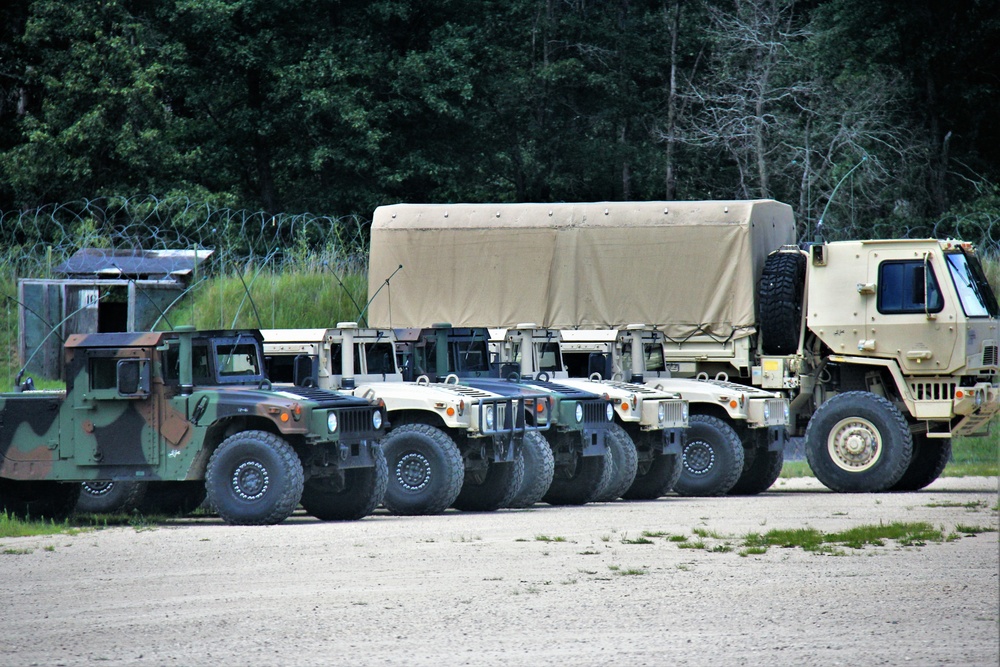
(973, 289)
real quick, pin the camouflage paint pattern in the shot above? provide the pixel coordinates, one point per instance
(160, 432)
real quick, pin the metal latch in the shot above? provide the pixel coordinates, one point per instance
(919, 355)
(866, 288)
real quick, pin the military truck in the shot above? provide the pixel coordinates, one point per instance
(886, 348)
(581, 423)
(737, 436)
(654, 421)
(448, 445)
(191, 412)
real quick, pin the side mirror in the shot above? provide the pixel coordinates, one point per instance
(133, 377)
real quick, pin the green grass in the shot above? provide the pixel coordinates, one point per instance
(11, 526)
(811, 539)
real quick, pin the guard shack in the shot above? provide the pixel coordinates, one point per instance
(101, 290)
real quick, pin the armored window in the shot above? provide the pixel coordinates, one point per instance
(654, 357)
(337, 359)
(473, 356)
(233, 360)
(380, 358)
(201, 371)
(908, 287)
(103, 373)
(549, 358)
(280, 368)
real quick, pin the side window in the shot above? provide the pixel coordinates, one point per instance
(201, 371)
(906, 287)
(103, 373)
(654, 357)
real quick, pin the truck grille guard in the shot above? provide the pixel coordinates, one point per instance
(509, 414)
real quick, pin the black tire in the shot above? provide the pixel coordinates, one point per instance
(780, 292)
(254, 478)
(579, 482)
(539, 467)
(425, 470)
(172, 498)
(712, 458)
(105, 497)
(38, 499)
(761, 468)
(362, 491)
(858, 442)
(655, 478)
(623, 461)
(485, 491)
(930, 456)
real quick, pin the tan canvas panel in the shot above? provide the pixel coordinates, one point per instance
(595, 265)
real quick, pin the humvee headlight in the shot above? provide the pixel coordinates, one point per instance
(489, 417)
(609, 411)
(661, 414)
(685, 413)
(331, 422)
(579, 413)
(788, 413)
(767, 412)
(377, 419)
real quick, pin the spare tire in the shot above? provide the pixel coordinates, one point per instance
(780, 302)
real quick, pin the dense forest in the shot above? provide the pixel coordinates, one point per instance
(338, 106)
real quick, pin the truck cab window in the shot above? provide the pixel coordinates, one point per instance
(908, 286)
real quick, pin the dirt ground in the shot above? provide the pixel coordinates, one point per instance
(544, 586)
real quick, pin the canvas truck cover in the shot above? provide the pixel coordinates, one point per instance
(687, 267)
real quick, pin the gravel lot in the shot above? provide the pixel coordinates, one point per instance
(484, 589)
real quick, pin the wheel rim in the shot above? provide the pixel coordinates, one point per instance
(854, 444)
(250, 480)
(413, 471)
(98, 489)
(699, 457)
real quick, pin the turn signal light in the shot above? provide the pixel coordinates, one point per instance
(959, 394)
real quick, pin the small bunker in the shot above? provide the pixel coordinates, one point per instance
(102, 290)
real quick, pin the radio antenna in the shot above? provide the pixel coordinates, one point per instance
(384, 284)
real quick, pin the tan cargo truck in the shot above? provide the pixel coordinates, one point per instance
(886, 348)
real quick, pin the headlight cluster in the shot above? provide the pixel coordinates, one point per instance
(377, 419)
(661, 413)
(685, 412)
(767, 412)
(331, 422)
(579, 413)
(489, 417)
(609, 411)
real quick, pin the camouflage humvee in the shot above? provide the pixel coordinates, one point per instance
(193, 410)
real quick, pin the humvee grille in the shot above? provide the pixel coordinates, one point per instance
(674, 412)
(356, 423)
(776, 412)
(594, 411)
(990, 355)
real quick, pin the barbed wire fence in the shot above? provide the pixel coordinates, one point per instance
(38, 240)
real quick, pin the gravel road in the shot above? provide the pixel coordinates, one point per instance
(544, 586)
